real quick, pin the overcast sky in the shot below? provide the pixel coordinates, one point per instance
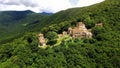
(44, 5)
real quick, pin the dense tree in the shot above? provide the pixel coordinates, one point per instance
(51, 35)
(101, 51)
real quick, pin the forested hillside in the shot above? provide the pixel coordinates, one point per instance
(100, 51)
(14, 23)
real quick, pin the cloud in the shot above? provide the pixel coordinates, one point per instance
(88, 2)
(44, 5)
(73, 2)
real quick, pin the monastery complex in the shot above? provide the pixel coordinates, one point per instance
(80, 31)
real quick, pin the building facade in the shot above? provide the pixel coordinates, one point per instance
(80, 31)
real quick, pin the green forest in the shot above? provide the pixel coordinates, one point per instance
(19, 47)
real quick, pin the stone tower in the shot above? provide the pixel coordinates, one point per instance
(81, 26)
(70, 30)
(42, 39)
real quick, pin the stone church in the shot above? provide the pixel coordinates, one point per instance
(80, 31)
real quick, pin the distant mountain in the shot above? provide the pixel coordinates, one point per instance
(45, 13)
(7, 17)
(13, 22)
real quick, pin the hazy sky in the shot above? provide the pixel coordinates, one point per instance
(44, 5)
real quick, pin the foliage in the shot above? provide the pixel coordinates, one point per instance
(101, 51)
(52, 37)
(71, 54)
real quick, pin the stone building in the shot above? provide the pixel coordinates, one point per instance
(64, 33)
(80, 31)
(42, 39)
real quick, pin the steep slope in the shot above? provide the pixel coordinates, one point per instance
(99, 12)
(10, 22)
